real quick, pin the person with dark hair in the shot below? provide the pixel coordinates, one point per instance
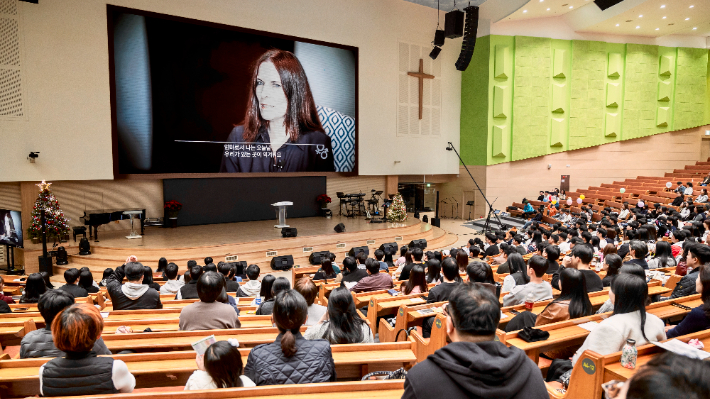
(536, 289)
(375, 279)
(492, 246)
(291, 351)
(162, 264)
(227, 271)
(380, 255)
(474, 365)
(433, 271)
(208, 313)
(450, 280)
(220, 367)
(417, 281)
(518, 242)
(697, 256)
(281, 113)
(353, 274)
(267, 306)
(417, 255)
(189, 290)
(34, 288)
(581, 259)
(71, 276)
(638, 250)
(663, 257)
(86, 281)
(518, 273)
(39, 343)
(107, 273)
(209, 260)
(327, 272)
(173, 284)
(133, 294)
(148, 278)
(481, 272)
(75, 331)
(252, 287)
(552, 253)
(504, 267)
(341, 324)
(210, 267)
(612, 265)
(572, 303)
(628, 321)
(699, 318)
(309, 290)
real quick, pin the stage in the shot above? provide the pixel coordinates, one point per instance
(249, 240)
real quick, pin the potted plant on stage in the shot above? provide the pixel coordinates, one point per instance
(323, 200)
(172, 208)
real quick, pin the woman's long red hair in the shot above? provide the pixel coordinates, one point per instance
(301, 113)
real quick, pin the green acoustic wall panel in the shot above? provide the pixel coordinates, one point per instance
(558, 132)
(612, 125)
(501, 143)
(474, 106)
(667, 66)
(642, 66)
(561, 66)
(503, 62)
(613, 95)
(615, 65)
(559, 98)
(691, 88)
(662, 117)
(664, 91)
(501, 99)
(588, 101)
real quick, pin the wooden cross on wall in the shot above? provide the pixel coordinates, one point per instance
(421, 76)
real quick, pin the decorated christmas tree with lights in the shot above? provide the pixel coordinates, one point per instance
(57, 223)
(397, 212)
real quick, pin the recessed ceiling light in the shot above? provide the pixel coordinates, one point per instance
(541, 1)
(695, 28)
(571, 7)
(617, 24)
(548, 9)
(637, 27)
(641, 16)
(663, 17)
(663, 6)
(658, 28)
(524, 11)
(692, 6)
(687, 19)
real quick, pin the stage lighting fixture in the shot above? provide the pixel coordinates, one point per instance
(84, 246)
(435, 52)
(604, 4)
(62, 257)
(316, 258)
(339, 228)
(289, 232)
(439, 37)
(282, 262)
(454, 24)
(356, 250)
(469, 38)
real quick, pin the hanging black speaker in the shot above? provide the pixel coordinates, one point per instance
(469, 38)
(62, 257)
(453, 24)
(84, 246)
(439, 37)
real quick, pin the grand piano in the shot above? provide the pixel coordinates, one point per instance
(96, 218)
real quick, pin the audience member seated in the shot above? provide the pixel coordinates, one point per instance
(572, 303)
(133, 294)
(39, 343)
(173, 284)
(252, 287)
(267, 306)
(552, 253)
(699, 318)
(663, 257)
(492, 246)
(417, 281)
(536, 289)
(228, 272)
(698, 255)
(34, 288)
(341, 324)
(352, 274)
(380, 255)
(4, 298)
(612, 265)
(417, 255)
(638, 251)
(148, 278)
(481, 272)
(86, 281)
(189, 290)
(104, 279)
(71, 276)
(264, 293)
(433, 271)
(518, 273)
(291, 359)
(506, 251)
(75, 330)
(306, 287)
(327, 272)
(208, 313)
(220, 367)
(375, 280)
(581, 259)
(629, 321)
(451, 279)
(473, 365)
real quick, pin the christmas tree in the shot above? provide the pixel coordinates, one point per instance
(57, 223)
(397, 212)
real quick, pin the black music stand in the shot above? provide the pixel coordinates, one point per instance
(469, 204)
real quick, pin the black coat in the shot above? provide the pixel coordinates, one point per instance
(686, 285)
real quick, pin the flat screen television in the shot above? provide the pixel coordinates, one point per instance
(190, 96)
(11, 228)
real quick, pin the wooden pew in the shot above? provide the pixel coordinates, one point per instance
(384, 305)
(391, 389)
(19, 378)
(407, 316)
(424, 347)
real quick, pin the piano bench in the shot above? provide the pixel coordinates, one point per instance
(79, 230)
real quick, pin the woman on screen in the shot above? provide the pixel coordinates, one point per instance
(281, 131)
(8, 234)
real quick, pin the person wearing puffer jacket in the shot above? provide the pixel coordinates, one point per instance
(133, 294)
(698, 255)
(253, 286)
(291, 359)
(173, 285)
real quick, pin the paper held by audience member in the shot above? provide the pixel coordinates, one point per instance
(201, 346)
(589, 326)
(681, 348)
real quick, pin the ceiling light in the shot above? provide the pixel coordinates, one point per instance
(658, 28)
(687, 18)
(617, 24)
(641, 16)
(663, 17)
(692, 6)
(524, 11)
(548, 9)
(637, 27)
(541, 1)
(571, 7)
(663, 6)
(696, 28)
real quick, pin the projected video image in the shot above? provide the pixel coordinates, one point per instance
(196, 97)
(10, 228)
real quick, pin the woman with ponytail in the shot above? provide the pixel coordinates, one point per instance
(341, 324)
(310, 361)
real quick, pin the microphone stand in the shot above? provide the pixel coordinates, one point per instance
(490, 206)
